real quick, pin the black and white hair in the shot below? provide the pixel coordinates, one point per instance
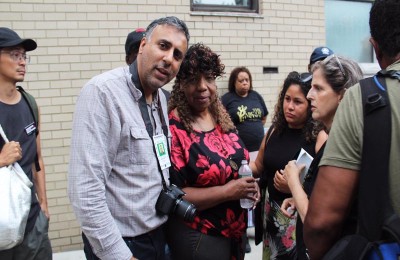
(169, 20)
(340, 72)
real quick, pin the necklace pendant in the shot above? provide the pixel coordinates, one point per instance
(233, 164)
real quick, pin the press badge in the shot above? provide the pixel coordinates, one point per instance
(31, 128)
(161, 146)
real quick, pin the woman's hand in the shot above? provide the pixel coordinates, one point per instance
(292, 172)
(288, 207)
(240, 188)
(280, 182)
(256, 196)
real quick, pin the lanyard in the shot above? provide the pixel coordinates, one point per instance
(146, 117)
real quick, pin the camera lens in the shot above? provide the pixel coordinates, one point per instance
(185, 209)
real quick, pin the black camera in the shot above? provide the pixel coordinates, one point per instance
(170, 202)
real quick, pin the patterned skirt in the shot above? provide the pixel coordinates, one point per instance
(279, 233)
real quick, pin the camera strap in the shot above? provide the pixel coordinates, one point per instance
(146, 118)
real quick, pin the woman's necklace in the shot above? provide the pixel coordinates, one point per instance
(232, 163)
(205, 125)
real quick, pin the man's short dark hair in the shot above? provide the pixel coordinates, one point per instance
(384, 23)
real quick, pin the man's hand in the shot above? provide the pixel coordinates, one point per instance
(45, 209)
(10, 153)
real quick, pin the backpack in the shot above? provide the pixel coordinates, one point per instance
(378, 235)
(33, 107)
(378, 226)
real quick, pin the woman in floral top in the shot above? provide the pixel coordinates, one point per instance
(206, 154)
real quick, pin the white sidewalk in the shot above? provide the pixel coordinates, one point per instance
(70, 255)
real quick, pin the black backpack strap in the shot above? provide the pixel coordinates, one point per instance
(374, 175)
(33, 107)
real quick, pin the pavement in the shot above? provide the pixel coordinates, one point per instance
(256, 251)
(255, 254)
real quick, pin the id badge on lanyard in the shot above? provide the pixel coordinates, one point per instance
(161, 147)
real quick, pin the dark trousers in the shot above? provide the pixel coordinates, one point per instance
(36, 243)
(189, 244)
(149, 246)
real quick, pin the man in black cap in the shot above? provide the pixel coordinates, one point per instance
(318, 54)
(21, 126)
(132, 45)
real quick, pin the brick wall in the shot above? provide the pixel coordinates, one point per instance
(80, 39)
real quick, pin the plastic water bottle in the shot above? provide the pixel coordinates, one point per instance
(245, 171)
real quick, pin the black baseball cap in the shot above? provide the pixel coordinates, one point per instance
(133, 39)
(9, 38)
(320, 53)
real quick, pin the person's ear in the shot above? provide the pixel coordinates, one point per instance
(341, 95)
(142, 44)
(375, 45)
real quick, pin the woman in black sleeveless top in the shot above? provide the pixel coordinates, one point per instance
(292, 129)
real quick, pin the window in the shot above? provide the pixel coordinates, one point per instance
(347, 29)
(240, 6)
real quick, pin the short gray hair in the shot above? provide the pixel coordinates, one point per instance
(169, 20)
(340, 72)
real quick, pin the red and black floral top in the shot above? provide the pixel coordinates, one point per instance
(206, 159)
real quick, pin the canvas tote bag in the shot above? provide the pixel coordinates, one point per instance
(15, 203)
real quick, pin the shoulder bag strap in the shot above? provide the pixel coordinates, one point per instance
(3, 135)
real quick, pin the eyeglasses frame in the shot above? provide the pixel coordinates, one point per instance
(17, 55)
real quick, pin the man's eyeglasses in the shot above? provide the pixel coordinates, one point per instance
(325, 61)
(17, 56)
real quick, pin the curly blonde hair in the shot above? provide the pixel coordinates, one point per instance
(199, 61)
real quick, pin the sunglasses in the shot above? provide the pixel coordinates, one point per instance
(327, 59)
(305, 77)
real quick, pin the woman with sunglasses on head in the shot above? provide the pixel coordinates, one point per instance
(331, 78)
(292, 129)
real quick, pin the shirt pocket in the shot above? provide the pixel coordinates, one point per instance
(140, 146)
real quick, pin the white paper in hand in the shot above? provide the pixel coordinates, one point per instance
(306, 159)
